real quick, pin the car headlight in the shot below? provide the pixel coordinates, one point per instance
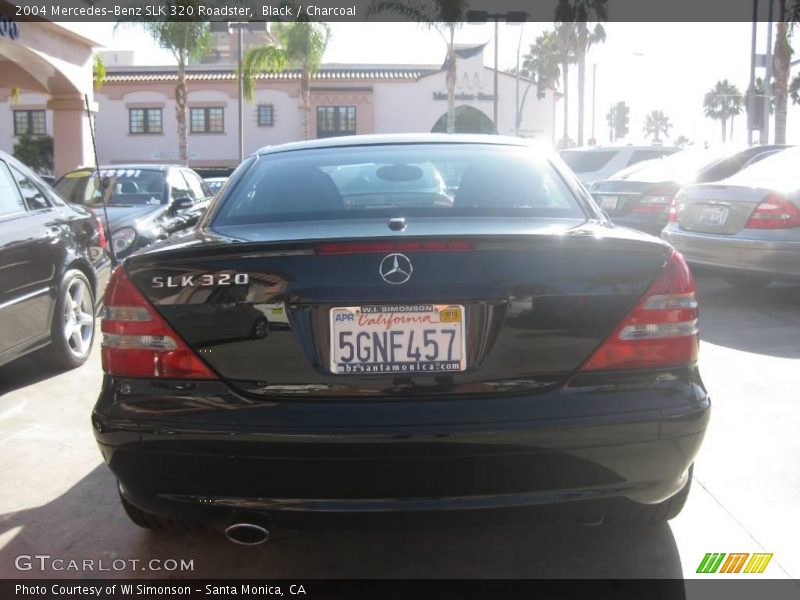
(123, 239)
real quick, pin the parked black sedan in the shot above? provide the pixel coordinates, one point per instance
(640, 197)
(503, 351)
(53, 266)
(144, 203)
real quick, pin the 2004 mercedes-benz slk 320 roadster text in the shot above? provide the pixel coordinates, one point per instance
(405, 324)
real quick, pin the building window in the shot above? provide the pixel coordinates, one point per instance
(31, 122)
(265, 115)
(206, 120)
(336, 120)
(145, 120)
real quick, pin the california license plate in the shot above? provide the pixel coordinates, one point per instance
(713, 215)
(402, 338)
(608, 202)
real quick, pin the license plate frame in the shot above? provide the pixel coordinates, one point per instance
(713, 215)
(435, 352)
(609, 202)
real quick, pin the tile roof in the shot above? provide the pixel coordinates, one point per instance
(326, 73)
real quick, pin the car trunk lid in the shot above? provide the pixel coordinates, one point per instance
(538, 296)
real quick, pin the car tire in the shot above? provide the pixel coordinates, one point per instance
(748, 282)
(147, 520)
(653, 514)
(73, 327)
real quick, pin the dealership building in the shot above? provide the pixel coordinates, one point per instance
(135, 118)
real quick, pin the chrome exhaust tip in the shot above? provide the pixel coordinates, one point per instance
(247, 534)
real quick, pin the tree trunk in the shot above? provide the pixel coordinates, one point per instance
(780, 69)
(305, 103)
(451, 83)
(565, 71)
(731, 135)
(180, 110)
(723, 122)
(581, 83)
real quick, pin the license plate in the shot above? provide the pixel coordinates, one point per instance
(608, 202)
(424, 338)
(713, 215)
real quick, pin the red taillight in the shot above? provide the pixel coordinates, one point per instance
(137, 342)
(673, 212)
(654, 200)
(395, 246)
(774, 212)
(101, 233)
(660, 331)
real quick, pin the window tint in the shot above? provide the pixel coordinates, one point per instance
(378, 181)
(10, 199)
(588, 160)
(34, 197)
(197, 186)
(123, 187)
(177, 185)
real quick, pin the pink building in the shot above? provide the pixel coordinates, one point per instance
(136, 120)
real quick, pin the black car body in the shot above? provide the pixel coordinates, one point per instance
(522, 393)
(144, 202)
(640, 197)
(48, 249)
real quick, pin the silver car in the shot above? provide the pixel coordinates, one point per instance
(746, 226)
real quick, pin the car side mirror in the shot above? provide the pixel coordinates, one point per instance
(181, 203)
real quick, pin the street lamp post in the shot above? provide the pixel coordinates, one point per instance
(481, 16)
(239, 27)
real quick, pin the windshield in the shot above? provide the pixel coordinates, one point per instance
(125, 187)
(398, 180)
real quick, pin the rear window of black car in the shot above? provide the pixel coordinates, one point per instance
(398, 180)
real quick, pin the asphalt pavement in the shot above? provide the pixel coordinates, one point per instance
(57, 498)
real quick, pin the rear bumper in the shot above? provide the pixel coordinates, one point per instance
(776, 259)
(594, 439)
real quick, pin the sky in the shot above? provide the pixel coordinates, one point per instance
(650, 66)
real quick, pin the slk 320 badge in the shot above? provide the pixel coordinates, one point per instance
(208, 280)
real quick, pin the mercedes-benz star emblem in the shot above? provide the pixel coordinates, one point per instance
(395, 268)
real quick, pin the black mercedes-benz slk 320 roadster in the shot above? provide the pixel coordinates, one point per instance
(423, 324)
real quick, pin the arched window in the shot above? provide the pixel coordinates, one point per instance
(468, 120)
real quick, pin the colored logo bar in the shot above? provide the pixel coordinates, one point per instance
(734, 563)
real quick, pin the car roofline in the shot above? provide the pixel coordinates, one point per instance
(354, 141)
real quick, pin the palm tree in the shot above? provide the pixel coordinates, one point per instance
(781, 59)
(655, 123)
(185, 40)
(564, 50)
(580, 14)
(794, 89)
(722, 102)
(540, 67)
(682, 141)
(301, 44)
(443, 16)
